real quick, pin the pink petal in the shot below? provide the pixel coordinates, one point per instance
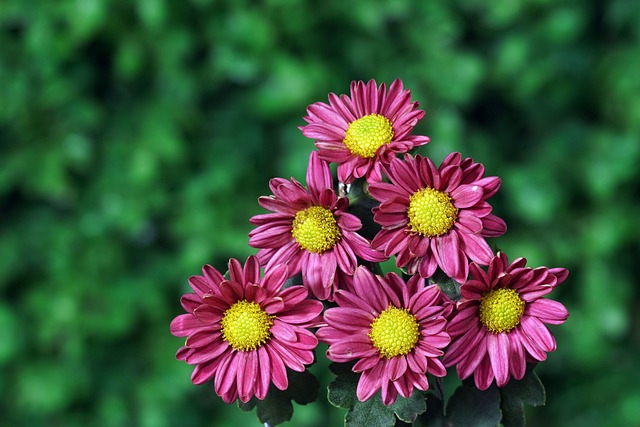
(466, 196)
(184, 325)
(264, 373)
(447, 251)
(476, 248)
(538, 333)
(370, 382)
(547, 311)
(492, 226)
(278, 370)
(275, 277)
(498, 351)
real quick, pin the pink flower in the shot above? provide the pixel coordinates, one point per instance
(395, 331)
(363, 131)
(310, 230)
(500, 323)
(436, 217)
(246, 330)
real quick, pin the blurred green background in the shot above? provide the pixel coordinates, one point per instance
(135, 138)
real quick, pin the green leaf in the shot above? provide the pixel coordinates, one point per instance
(469, 406)
(408, 409)
(342, 390)
(516, 393)
(247, 406)
(276, 407)
(360, 205)
(434, 415)
(303, 387)
(449, 286)
(372, 412)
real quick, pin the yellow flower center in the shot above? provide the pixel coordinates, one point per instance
(501, 310)
(431, 212)
(365, 135)
(316, 229)
(245, 325)
(394, 332)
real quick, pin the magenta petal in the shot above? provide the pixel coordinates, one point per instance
(226, 374)
(396, 367)
(312, 276)
(185, 324)
(538, 333)
(370, 382)
(517, 362)
(344, 351)
(493, 226)
(466, 196)
(448, 252)
(498, 351)
(476, 248)
(366, 363)
(247, 374)
(483, 377)
(275, 277)
(204, 372)
(278, 370)
(547, 311)
(264, 373)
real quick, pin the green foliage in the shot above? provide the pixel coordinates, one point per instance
(135, 138)
(276, 407)
(472, 407)
(515, 394)
(372, 412)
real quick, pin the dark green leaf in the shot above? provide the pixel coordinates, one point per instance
(449, 286)
(518, 392)
(469, 406)
(342, 391)
(303, 387)
(375, 413)
(247, 406)
(276, 408)
(408, 409)
(434, 415)
(371, 413)
(293, 281)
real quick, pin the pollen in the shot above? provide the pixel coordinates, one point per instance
(365, 135)
(394, 332)
(316, 229)
(431, 212)
(501, 310)
(246, 326)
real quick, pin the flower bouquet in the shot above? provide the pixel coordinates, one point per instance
(389, 266)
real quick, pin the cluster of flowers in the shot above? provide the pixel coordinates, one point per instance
(245, 330)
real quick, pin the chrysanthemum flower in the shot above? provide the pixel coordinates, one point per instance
(362, 131)
(500, 323)
(310, 230)
(434, 217)
(395, 331)
(246, 330)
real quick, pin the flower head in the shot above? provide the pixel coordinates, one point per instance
(245, 331)
(500, 323)
(395, 331)
(365, 130)
(436, 217)
(310, 230)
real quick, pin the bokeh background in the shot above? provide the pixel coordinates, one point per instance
(135, 138)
